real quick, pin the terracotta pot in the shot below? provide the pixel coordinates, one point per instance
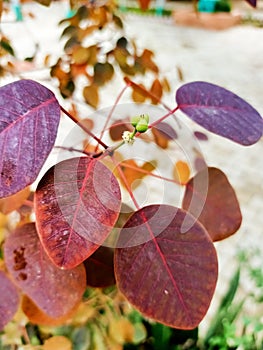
(144, 4)
(216, 21)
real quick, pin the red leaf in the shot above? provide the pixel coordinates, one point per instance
(211, 198)
(55, 291)
(117, 129)
(167, 273)
(30, 116)
(77, 203)
(9, 300)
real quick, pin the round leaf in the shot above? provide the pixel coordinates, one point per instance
(9, 300)
(171, 275)
(220, 212)
(37, 316)
(221, 112)
(77, 203)
(53, 290)
(30, 116)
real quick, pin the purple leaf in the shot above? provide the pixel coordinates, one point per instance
(166, 272)
(9, 300)
(252, 2)
(53, 290)
(221, 112)
(29, 120)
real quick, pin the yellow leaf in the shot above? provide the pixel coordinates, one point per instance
(138, 95)
(92, 55)
(157, 91)
(80, 55)
(181, 172)
(134, 173)
(37, 316)
(166, 85)
(57, 342)
(91, 95)
(121, 331)
(14, 202)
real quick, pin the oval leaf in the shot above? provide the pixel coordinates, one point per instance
(171, 276)
(9, 300)
(30, 116)
(53, 290)
(14, 202)
(91, 95)
(181, 172)
(37, 316)
(220, 212)
(157, 91)
(77, 203)
(221, 112)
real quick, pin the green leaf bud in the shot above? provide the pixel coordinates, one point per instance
(135, 120)
(145, 117)
(142, 126)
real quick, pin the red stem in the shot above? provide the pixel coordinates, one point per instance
(123, 164)
(112, 110)
(83, 127)
(129, 82)
(172, 111)
(125, 182)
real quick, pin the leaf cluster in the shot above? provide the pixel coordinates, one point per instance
(96, 49)
(160, 256)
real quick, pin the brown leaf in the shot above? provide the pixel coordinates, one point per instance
(80, 55)
(135, 173)
(82, 33)
(14, 202)
(147, 62)
(181, 172)
(103, 72)
(166, 86)
(157, 91)
(44, 2)
(37, 316)
(139, 95)
(180, 74)
(121, 55)
(91, 95)
(93, 49)
(117, 129)
(210, 197)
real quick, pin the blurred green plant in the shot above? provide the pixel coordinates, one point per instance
(231, 328)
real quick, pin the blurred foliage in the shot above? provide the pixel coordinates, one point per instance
(104, 320)
(96, 49)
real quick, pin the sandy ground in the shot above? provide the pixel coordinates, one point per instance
(231, 58)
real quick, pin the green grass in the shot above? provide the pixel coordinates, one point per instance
(151, 11)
